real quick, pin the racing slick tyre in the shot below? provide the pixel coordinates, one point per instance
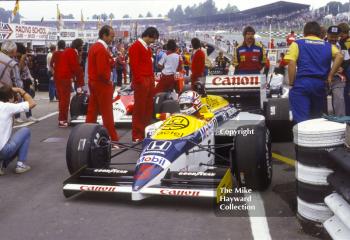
(88, 144)
(252, 162)
(78, 105)
(159, 99)
(170, 106)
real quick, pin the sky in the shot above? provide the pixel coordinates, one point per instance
(35, 10)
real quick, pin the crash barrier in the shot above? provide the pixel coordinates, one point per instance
(338, 225)
(314, 139)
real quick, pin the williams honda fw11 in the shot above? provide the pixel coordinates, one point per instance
(182, 155)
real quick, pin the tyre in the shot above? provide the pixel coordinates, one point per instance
(170, 106)
(88, 145)
(78, 105)
(252, 158)
(158, 101)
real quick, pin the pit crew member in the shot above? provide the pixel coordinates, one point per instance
(250, 56)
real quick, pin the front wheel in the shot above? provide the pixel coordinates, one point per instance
(88, 145)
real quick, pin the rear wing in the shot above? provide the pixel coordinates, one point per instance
(247, 87)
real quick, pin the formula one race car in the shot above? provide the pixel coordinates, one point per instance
(181, 156)
(123, 103)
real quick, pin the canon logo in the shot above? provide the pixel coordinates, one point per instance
(236, 80)
(93, 188)
(175, 192)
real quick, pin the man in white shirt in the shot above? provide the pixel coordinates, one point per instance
(18, 144)
(52, 87)
(170, 63)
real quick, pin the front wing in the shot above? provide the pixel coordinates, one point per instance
(179, 184)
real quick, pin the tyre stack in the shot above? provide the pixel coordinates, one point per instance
(314, 139)
(338, 226)
(41, 72)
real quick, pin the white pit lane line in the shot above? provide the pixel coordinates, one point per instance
(258, 222)
(40, 119)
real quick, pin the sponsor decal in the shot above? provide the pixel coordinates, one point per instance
(176, 123)
(145, 172)
(158, 147)
(81, 144)
(96, 188)
(177, 192)
(110, 171)
(236, 80)
(157, 160)
(196, 174)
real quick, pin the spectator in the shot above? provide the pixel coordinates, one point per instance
(290, 38)
(338, 83)
(9, 70)
(26, 77)
(169, 64)
(208, 64)
(250, 56)
(187, 61)
(198, 63)
(52, 87)
(271, 44)
(140, 56)
(120, 66)
(100, 84)
(18, 144)
(222, 62)
(309, 69)
(10, 74)
(344, 43)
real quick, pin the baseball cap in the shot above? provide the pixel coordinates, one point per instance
(333, 30)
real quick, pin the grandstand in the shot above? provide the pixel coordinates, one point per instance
(277, 8)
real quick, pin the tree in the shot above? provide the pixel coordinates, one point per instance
(126, 16)
(104, 17)
(95, 16)
(111, 16)
(229, 9)
(160, 15)
(140, 16)
(6, 15)
(149, 15)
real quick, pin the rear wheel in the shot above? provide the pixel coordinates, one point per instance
(253, 166)
(78, 105)
(88, 144)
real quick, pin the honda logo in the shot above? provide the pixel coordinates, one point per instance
(159, 146)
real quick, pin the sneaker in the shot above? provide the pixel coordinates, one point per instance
(62, 124)
(33, 119)
(22, 168)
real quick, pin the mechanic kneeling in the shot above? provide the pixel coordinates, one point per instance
(18, 144)
(191, 104)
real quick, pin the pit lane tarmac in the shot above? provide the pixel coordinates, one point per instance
(32, 205)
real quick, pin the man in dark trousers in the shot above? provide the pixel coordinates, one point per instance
(140, 55)
(309, 69)
(100, 63)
